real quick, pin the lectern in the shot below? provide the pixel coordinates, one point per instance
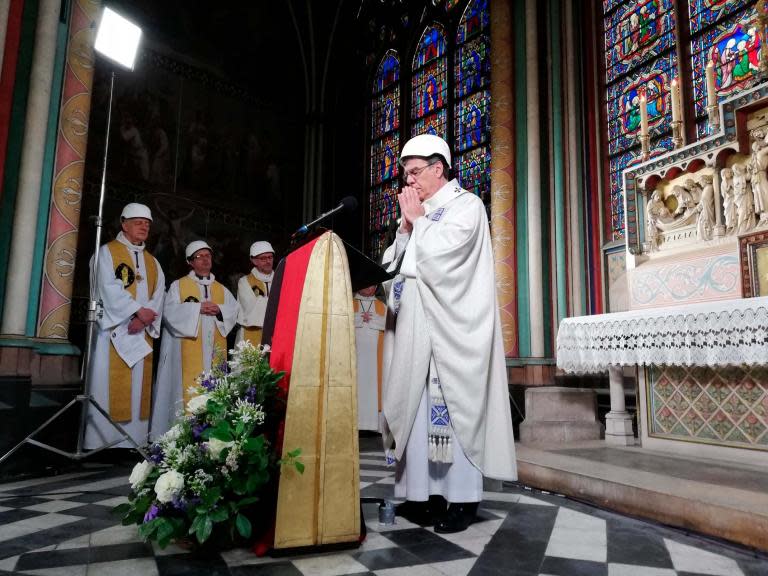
(310, 327)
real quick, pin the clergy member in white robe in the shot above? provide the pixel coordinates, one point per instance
(370, 319)
(253, 293)
(446, 405)
(198, 314)
(131, 285)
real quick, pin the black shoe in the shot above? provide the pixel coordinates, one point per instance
(457, 519)
(422, 513)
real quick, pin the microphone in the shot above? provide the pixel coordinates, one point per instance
(347, 203)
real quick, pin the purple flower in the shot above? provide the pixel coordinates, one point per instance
(156, 454)
(250, 394)
(224, 367)
(197, 430)
(151, 513)
(209, 384)
(179, 504)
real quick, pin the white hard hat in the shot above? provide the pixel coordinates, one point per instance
(260, 247)
(424, 146)
(193, 247)
(136, 210)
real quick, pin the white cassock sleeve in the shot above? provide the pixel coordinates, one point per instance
(228, 314)
(251, 308)
(182, 319)
(118, 304)
(156, 302)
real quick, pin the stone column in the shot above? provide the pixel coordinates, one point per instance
(71, 144)
(575, 219)
(503, 170)
(618, 422)
(719, 227)
(5, 5)
(30, 174)
(535, 275)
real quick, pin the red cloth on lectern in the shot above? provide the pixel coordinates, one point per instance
(283, 342)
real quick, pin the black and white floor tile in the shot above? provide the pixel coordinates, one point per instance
(63, 526)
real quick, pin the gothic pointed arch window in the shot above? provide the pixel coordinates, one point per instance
(447, 88)
(385, 150)
(726, 34)
(642, 42)
(640, 60)
(471, 118)
(429, 84)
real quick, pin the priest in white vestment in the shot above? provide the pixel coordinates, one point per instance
(131, 286)
(370, 319)
(447, 420)
(198, 314)
(253, 293)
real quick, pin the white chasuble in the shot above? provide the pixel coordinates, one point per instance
(119, 307)
(182, 321)
(442, 310)
(370, 318)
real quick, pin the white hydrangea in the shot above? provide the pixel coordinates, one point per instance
(216, 446)
(197, 404)
(169, 485)
(172, 435)
(140, 473)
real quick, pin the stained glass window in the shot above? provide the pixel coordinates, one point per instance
(471, 118)
(429, 84)
(385, 149)
(726, 34)
(640, 59)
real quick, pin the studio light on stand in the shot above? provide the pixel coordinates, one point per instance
(117, 39)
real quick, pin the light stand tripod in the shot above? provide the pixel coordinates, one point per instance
(86, 400)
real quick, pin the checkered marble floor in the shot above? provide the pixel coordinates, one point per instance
(63, 526)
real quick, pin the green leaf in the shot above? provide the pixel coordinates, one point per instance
(247, 501)
(165, 529)
(243, 526)
(122, 509)
(204, 529)
(220, 514)
(299, 467)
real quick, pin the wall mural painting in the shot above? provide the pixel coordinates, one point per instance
(208, 160)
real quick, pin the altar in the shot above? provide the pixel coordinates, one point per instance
(691, 326)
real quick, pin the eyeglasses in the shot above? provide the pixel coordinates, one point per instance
(415, 172)
(205, 256)
(263, 258)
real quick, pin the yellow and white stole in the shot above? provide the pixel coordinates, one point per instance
(192, 348)
(119, 372)
(253, 333)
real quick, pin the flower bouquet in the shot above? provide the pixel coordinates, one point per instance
(212, 468)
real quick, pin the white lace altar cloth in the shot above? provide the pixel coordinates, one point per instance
(715, 334)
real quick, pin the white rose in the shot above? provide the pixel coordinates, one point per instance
(169, 485)
(197, 404)
(140, 473)
(215, 446)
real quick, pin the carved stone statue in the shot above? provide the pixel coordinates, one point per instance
(742, 194)
(655, 212)
(729, 202)
(758, 164)
(705, 221)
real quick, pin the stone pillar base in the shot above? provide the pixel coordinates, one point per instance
(618, 429)
(555, 414)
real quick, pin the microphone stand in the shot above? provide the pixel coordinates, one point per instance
(95, 312)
